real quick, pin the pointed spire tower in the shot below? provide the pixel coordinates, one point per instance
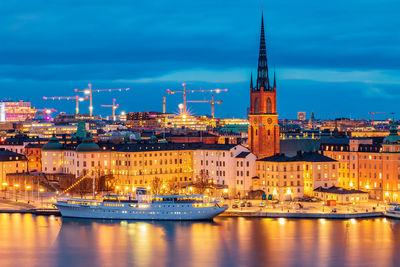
(263, 117)
(251, 80)
(262, 71)
(274, 82)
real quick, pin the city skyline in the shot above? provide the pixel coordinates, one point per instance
(346, 65)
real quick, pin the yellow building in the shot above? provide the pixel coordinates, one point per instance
(11, 162)
(153, 166)
(157, 166)
(341, 195)
(286, 178)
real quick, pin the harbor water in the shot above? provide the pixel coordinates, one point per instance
(29, 240)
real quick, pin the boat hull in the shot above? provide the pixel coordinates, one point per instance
(152, 212)
(393, 214)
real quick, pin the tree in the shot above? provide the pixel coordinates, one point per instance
(174, 186)
(156, 185)
(202, 182)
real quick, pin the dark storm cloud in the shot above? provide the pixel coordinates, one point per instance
(50, 47)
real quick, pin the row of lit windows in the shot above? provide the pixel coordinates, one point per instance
(217, 163)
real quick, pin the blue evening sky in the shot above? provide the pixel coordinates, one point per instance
(336, 58)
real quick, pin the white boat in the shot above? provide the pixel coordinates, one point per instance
(161, 207)
(393, 212)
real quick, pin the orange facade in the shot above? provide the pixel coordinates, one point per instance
(374, 168)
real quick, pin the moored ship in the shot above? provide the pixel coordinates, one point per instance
(158, 207)
(393, 212)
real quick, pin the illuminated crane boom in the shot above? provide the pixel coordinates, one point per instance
(89, 91)
(184, 91)
(379, 112)
(212, 101)
(113, 106)
(76, 98)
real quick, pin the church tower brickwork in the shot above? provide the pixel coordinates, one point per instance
(263, 117)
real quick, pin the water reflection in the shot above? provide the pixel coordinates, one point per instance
(27, 240)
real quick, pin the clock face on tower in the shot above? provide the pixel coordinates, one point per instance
(269, 120)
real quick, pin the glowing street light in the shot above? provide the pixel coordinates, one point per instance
(180, 106)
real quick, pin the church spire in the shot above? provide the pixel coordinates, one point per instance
(262, 71)
(274, 82)
(251, 80)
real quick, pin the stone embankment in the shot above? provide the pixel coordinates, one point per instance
(308, 215)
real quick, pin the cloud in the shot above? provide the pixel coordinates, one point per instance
(197, 75)
(321, 51)
(341, 75)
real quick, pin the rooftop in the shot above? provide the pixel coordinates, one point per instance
(243, 154)
(307, 156)
(7, 155)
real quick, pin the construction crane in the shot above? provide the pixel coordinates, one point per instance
(113, 106)
(378, 112)
(76, 98)
(212, 101)
(163, 105)
(184, 92)
(89, 91)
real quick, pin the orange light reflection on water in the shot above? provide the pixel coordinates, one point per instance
(27, 240)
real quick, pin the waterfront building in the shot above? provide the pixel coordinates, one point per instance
(174, 166)
(263, 118)
(341, 195)
(369, 165)
(287, 178)
(245, 171)
(230, 166)
(11, 162)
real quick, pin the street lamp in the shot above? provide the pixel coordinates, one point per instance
(5, 189)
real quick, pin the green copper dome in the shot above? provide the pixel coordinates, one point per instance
(393, 137)
(52, 144)
(87, 145)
